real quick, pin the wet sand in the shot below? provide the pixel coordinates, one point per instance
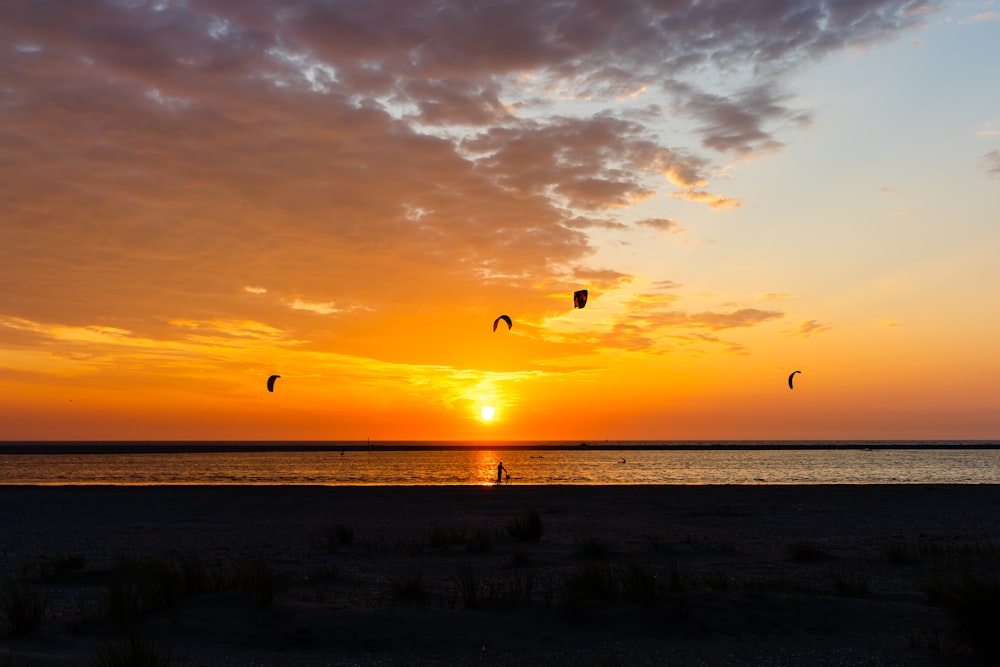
(623, 575)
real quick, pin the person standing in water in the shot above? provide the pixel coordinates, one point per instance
(500, 471)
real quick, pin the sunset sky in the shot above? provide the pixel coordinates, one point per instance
(197, 194)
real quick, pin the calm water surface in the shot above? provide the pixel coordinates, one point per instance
(479, 466)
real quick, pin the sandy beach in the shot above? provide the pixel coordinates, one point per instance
(512, 575)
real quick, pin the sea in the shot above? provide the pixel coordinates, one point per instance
(477, 463)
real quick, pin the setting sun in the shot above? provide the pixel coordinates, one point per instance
(487, 412)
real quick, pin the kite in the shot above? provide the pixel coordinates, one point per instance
(580, 298)
(506, 319)
(790, 379)
(270, 382)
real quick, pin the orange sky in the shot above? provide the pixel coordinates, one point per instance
(197, 195)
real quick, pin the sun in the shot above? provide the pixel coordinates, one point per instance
(487, 412)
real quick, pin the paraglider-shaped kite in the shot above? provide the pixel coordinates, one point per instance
(506, 319)
(580, 298)
(270, 382)
(790, 386)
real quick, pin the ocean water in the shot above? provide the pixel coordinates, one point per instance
(621, 464)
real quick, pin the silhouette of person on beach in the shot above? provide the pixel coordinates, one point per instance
(500, 471)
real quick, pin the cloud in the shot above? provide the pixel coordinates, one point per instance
(588, 163)
(697, 340)
(237, 330)
(158, 158)
(713, 200)
(808, 328)
(601, 278)
(980, 18)
(990, 128)
(650, 310)
(321, 308)
(744, 317)
(661, 224)
(735, 124)
(992, 163)
(646, 303)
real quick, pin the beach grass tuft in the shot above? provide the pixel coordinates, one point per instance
(334, 537)
(657, 544)
(971, 602)
(134, 651)
(137, 587)
(50, 567)
(526, 528)
(260, 581)
(850, 585)
(470, 584)
(447, 539)
(407, 585)
(23, 607)
(639, 583)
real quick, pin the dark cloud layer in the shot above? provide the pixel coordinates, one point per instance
(154, 153)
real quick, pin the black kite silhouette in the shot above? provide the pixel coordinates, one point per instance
(790, 386)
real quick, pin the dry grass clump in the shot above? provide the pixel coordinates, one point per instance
(133, 651)
(639, 583)
(526, 528)
(260, 581)
(334, 537)
(970, 604)
(963, 588)
(408, 585)
(23, 608)
(470, 585)
(137, 587)
(471, 541)
(50, 567)
(849, 585)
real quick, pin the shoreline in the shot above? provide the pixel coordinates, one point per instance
(706, 574)
(187, 446)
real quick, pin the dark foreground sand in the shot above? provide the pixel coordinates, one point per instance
(697, 575)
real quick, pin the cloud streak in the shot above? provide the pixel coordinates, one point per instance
(992, 163)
